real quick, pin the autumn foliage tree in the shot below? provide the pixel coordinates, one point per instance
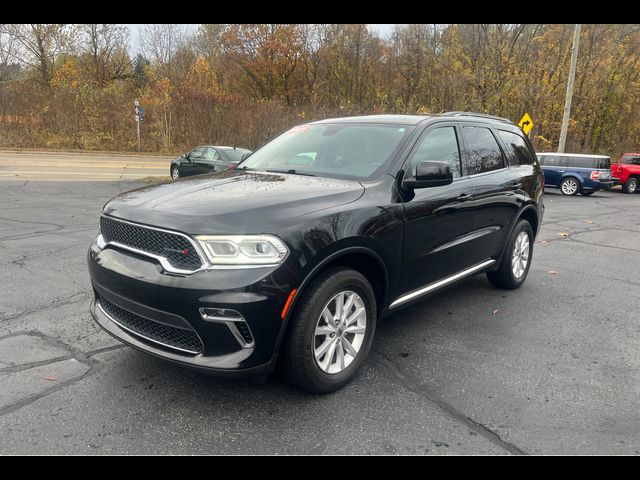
(73, 86)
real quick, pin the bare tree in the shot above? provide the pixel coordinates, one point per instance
(106, 46)
(160, 42)
(38, 45)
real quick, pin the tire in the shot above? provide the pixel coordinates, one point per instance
(505, 276)
(570, 186)
(299, 364)
(631, 186)
(586, 194)
(175, 173)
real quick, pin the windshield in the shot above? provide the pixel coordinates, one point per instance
(349, 151)
(234, 155)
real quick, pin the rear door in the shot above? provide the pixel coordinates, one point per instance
(207, 163)
(495, 200)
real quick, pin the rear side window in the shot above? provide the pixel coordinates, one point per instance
(554, 160)
(583, 162)
(517, 148)
(604, 163)
(483, 152)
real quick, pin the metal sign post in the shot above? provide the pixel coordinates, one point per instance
(137, 109)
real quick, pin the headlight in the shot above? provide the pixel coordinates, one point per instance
(243, 249)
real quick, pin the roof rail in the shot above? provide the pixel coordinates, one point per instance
(474, 114)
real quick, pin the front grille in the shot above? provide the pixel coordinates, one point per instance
(187, 341)
(178, 250)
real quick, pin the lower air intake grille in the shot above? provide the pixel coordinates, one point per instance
(186, 341)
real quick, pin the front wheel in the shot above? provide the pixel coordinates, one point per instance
(631, 186)
(569, 186)
(516, 259)
(331, 331)
(175, 173)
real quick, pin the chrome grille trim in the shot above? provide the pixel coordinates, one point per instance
(164, 261)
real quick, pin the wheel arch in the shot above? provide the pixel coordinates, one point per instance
(529, 213)
(362, 259)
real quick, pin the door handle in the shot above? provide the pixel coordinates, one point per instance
(464, 196)
(516, 186)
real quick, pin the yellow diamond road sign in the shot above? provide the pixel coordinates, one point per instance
(526, 124)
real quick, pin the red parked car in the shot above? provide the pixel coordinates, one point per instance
(627, 172)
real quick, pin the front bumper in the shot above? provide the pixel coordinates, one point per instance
(131, 288)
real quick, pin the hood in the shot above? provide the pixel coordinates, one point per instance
(232, 202)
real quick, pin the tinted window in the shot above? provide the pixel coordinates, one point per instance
(583, 162)
(554, 160)
(630, 160)
(604, 163)
(337, 150)
(484, 154)
(196, 153)
(235, 155)
(439, 145)
(517, 147)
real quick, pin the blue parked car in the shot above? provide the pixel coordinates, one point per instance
(575, 173)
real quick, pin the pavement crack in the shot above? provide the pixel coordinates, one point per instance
(27, 401)
(424, 392)
(53, 304)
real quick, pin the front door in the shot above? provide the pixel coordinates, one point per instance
(190, 167)
(436, 219)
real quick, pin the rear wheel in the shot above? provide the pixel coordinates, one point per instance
(631, 186)
(514, 266)
(331, 332)
(569, 186)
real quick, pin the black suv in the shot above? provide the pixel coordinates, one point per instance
(291, 258)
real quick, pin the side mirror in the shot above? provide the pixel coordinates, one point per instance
(430, 174)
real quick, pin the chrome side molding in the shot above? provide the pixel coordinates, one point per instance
(441, 283)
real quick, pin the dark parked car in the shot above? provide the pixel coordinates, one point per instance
(207, 159)
(575, 173)
(291, 258)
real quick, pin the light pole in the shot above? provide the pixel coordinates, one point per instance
(567, 101)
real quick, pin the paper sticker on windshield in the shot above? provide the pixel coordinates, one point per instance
(300, 128)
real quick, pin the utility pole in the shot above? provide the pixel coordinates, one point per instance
(567, 101)
(137, 105)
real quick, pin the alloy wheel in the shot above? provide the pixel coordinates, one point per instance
(569, 186)
(520, 257)
(340, 332)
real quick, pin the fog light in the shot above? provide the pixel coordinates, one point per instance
(234, 321)
(220, 314)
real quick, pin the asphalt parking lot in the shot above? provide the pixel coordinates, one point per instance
(551, 368)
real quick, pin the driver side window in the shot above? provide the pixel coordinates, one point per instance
(196, 154)
(438, 145)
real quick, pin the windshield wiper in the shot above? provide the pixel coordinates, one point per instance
(292, 171)
(246, 169)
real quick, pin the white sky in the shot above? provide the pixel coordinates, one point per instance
(383, 29)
